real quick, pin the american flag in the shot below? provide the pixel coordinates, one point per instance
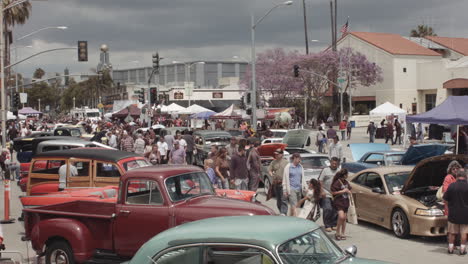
(344, 28)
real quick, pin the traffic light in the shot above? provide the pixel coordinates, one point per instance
(249, 98)
(242, 103)
(16, 100)
(153, 99)
(156, 61)
(249, 111)
(296, 70)
(82, 50)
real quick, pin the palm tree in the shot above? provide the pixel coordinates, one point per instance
(421, 31)
(17, 15)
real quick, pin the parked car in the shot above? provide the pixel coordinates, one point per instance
(204, 139)
(235, 133)
(245, 241)
(371, 155)
(97, 167)
(272, 140)
(151, 200)
(402, 198)
(299, 141)
(278, 133)
(26, 151)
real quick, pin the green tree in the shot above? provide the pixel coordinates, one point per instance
(38, 73)
(422, 31)
(17, 15)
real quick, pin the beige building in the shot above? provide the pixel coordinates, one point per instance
(418, 73)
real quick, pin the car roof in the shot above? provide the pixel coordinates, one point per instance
(308, 155)
(258, 230)
(387, 169)
(162, 171)
(76, 142)
(90, 153)
(211, 132)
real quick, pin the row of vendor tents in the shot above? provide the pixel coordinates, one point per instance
(194, 111)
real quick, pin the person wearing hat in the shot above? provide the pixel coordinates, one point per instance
(276, 171)
(177, 155)
(232, 147)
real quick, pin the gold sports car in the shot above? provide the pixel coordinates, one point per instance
(402, 198)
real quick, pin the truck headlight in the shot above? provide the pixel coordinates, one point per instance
(429, 212)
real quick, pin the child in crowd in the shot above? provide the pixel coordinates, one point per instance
(208, 164)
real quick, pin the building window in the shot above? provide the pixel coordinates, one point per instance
(430, 101)
(404, 69)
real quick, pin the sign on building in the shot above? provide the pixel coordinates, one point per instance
(179, 96)
(217, 95)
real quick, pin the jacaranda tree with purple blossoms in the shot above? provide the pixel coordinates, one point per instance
(275, 79)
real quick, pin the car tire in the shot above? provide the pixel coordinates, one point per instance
(267, 184)
(59, 251)
(400, 224)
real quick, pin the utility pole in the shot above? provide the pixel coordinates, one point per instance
(305, 27)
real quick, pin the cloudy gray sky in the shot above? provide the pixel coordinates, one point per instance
(211, 29)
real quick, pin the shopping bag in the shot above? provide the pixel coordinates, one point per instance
(352, 215)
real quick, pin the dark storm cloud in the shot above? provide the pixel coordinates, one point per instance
(216, 28)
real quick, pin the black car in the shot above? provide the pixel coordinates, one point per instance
(204, 139)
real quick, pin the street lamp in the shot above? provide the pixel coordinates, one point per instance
(254, 81)
(189, 66)
(39, 30)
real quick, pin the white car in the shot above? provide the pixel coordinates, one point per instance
(272, 140)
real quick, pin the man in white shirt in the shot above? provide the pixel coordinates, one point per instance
(336, 150)
(63, 174)
(163, 148)
(24, 130)
(112, 140)
(182, 143)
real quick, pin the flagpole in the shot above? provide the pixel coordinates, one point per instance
(349, 70)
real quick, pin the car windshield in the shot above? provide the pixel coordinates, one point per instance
(217, 138)
(296, 150)
(315, 162)
(395, 181)
(185, 186)
(235, 133)
(133, 164)
(93, 114)
(313, 247)
(278, 134)
(393, 159)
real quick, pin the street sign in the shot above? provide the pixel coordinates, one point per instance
(341, 80)
(23, 98)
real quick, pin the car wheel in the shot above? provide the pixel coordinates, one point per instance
(400, 224)
(267, 184)
(59, 252)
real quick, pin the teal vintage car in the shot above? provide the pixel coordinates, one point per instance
(245, 240)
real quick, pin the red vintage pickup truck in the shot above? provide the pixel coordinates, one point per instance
(151, 200)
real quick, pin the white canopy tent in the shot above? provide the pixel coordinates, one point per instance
(387, 108)
(194, 109)
(11, 116)
(173, 109)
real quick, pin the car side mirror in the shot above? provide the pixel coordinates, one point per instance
(377, 190)
(352, 250)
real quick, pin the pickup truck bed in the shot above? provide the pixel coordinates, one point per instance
(59, 219)
(88, 209)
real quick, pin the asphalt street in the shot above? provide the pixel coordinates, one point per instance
(372, 241)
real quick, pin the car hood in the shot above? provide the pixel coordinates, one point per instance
(416, 153)
(359, 149)
(268, 149)
(296, 138)
(362, 261)
(431, 172)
